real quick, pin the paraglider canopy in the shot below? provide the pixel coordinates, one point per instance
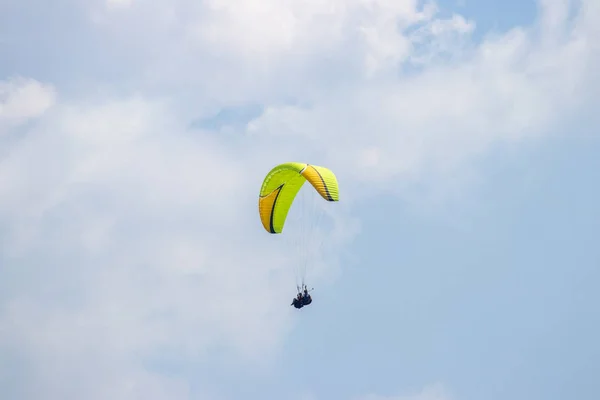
(281, 189)
(281, 185)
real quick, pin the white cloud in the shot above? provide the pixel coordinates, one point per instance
(434, 122)
(22, 99)
(119, 3)
(271, 50)
(125, 235)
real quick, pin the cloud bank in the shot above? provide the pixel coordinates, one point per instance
(128, 233)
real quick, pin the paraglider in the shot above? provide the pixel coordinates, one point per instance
(297, 302)
(302, 299)
(279, 192)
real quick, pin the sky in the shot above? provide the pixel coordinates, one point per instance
(460, 263)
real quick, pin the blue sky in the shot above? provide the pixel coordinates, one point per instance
(461, 261)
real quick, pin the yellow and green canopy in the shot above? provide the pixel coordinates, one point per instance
(281, 185)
